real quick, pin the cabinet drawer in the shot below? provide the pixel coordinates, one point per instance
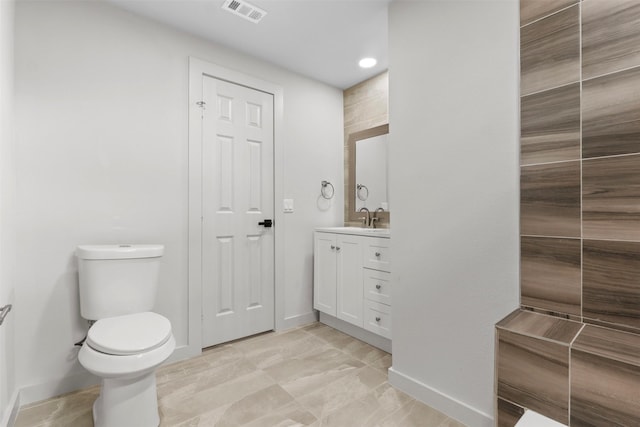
(377, 286)
(377, 318)
(377, 254)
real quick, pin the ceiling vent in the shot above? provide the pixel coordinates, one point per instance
(244, 10)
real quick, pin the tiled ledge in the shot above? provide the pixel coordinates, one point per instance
(568, 371)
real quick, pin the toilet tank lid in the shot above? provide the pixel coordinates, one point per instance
(123, 251)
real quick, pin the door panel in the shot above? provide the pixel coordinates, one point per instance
(237, 193)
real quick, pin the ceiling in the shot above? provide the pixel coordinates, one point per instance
(321, 39)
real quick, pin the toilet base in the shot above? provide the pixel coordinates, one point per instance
(128, 402)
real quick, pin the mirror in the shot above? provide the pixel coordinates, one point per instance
(368, 183)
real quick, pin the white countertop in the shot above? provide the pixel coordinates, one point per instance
(373, 232)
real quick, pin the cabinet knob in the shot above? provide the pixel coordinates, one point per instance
(338, 248)
(378, 286)
(377, 254)
(332, 247)
(377, 319)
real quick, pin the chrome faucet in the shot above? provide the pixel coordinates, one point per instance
(366, 220)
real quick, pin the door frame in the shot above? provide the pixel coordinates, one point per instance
(197, 69)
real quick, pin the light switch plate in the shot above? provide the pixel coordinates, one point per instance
(287, 205)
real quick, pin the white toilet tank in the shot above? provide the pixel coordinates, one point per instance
(116, 280)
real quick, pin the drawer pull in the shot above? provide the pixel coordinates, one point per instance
(377, 254)
(378, 286)
(377, 319)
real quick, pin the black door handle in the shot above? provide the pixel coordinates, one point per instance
(268, 223)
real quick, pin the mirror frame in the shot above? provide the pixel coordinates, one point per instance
(351, 193)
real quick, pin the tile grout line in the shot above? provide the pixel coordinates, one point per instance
(581, 217)
(551, 14)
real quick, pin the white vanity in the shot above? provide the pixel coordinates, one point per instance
(352, 284)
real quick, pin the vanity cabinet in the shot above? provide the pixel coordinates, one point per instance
(338, 276)
(352, 279)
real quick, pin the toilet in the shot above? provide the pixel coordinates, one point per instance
(127, 342)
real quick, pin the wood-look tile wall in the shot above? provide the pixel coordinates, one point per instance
(580, 160)
(366, 105)
(572, 352)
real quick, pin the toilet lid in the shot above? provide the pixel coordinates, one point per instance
(129, 334)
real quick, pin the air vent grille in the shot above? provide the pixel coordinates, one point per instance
(244, 10)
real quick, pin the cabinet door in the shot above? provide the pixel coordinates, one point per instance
(350, 280)
(324, 273)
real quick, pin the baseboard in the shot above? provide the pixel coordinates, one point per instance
(298, 320)
(436, 399)
(12, 409)
(37, 392)
(362, 334)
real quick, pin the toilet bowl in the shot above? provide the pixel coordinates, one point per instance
(124, 352)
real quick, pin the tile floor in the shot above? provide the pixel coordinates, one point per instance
(309, 376)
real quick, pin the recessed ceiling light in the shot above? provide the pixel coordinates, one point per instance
(367, 62)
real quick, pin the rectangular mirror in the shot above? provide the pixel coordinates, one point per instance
(368, 173)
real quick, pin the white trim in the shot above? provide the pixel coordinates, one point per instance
(83, 379)
(362, 334)
(55, 387)
(11, 411)
(198, 68)
(299, 320)
(442, 402)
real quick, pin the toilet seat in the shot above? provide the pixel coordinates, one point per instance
(129, 334)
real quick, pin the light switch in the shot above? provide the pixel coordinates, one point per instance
(287, 204)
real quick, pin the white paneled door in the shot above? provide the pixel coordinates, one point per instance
(237, 207)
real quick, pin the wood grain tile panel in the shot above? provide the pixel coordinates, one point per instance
(621, 346)
(611, 281)
(550, 274)
(604, 392)
(550, 52)
(611, 114)
(610, 36)
(531, 10)
(534, 374)
(550, 200)
(536, 325)
(508, 413)
(611, 198)
(550, 125)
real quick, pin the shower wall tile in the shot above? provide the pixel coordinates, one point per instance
(540, 326)
(605, 373)
(611, 198)
(604, 342)
(611, 282)
(550, 52)
(531, 10)
(611, 114)
(534, 373)
(610, 36)
(550, 274)
(550, 125)
(550, 199)
(508, 413)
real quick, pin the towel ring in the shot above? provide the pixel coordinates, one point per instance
(325, 192)
(360, 189)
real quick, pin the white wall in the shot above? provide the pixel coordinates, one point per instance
(102, 105)
(7, 214)
(454, 179)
